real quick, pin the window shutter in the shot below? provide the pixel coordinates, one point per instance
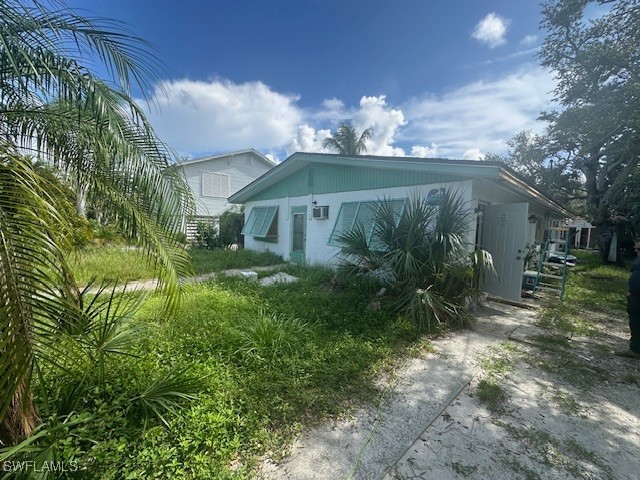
(215, 185)
(260, 221)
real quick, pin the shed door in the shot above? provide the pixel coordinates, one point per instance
(504, 236)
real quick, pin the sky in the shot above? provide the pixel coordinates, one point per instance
(431, 78)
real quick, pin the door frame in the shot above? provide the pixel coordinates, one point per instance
(298, 256)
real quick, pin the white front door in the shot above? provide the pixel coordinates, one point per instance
(504, 236)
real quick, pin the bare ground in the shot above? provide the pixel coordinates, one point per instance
(506, 400)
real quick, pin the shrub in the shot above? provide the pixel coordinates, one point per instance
(420, 254)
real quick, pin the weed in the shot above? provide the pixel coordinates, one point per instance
(567, 455)
(491, 394)
(464, 470)
(517, 467)
(566, 402)
(272, 336)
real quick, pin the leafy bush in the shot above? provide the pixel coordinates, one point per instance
(223, 235)
(86, 391)
(421, 256)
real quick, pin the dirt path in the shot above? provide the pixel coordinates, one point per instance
(505, 400)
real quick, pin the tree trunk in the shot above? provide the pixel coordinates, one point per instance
(21, 417)
(604, 234)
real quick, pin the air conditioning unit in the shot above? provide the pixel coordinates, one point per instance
(321, 213)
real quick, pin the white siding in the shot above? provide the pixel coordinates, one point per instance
(242, 169)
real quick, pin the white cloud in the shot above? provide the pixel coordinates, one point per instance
(198, 117)
(384, 122)
(473, 154)
(529, 40)
(482, 115)
(424, 151)
(491, 30)
(307, 140)
(476, 119)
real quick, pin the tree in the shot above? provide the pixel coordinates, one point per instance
(90, 130)
(597, 64)
(537, 160)
(346, 141)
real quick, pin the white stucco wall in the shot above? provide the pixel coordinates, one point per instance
(319, 231)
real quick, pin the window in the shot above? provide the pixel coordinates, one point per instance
(360, 213)
(262, 223)
(215, 185)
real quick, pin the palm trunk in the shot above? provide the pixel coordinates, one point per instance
(21, 417)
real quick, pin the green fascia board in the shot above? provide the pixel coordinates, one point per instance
(335, 173)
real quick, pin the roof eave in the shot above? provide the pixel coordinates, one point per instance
(530, 191)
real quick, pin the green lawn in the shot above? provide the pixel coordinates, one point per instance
(597, 286)
(591, 287)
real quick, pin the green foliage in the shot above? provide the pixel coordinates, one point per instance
(96, 138)
(267, 359)
(421, 256)
(113, 262)
(491, 394)
(269, 336)
(223, 235)
(595, 60)
(596, 286)
(91, 382)
(346, 140)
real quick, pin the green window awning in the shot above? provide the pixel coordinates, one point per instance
(260, 222)
(353, 214)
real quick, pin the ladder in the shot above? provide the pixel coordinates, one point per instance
(552, 264)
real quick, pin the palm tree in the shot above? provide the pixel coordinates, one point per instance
(417, 251)
(346, 141)
(90, 130)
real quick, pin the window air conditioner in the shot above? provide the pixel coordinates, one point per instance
(321, 213)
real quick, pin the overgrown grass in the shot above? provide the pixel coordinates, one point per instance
(205, 261)
(125, 264)
(272, 358)
(595, 286)
(591, 287)
(110, 262)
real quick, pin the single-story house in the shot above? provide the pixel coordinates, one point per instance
(296, 209)
(214, 178)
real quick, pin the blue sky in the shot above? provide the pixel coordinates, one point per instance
(453, 78)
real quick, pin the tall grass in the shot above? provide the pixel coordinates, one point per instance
(205, 261)
(124, 264)
(591, 287)
(110, 262)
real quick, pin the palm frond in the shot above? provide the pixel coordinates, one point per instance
(167, 394)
